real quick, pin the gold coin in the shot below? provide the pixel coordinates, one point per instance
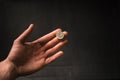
(60, 35)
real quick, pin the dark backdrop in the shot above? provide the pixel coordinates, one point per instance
(93, 49)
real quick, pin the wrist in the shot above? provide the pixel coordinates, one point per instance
(7, 70)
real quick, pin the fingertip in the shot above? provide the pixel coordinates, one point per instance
(61, 52)
(59, 29)
(31, 25)
(65, 32)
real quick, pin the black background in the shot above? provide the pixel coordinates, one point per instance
(93, 49)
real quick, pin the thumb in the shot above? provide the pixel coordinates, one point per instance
(26, 33)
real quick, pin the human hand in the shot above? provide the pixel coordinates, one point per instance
(29, 57)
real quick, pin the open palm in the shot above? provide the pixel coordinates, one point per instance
(29, 57)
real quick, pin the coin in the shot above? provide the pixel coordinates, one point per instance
(60, 35)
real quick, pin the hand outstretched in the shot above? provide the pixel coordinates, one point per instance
(29, 57)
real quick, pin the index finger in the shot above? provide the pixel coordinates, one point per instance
(47, 37)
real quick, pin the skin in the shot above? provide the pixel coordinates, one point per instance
(28, 57)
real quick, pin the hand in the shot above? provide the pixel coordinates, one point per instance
(29, 57)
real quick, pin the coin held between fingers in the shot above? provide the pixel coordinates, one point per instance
(60, 35)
